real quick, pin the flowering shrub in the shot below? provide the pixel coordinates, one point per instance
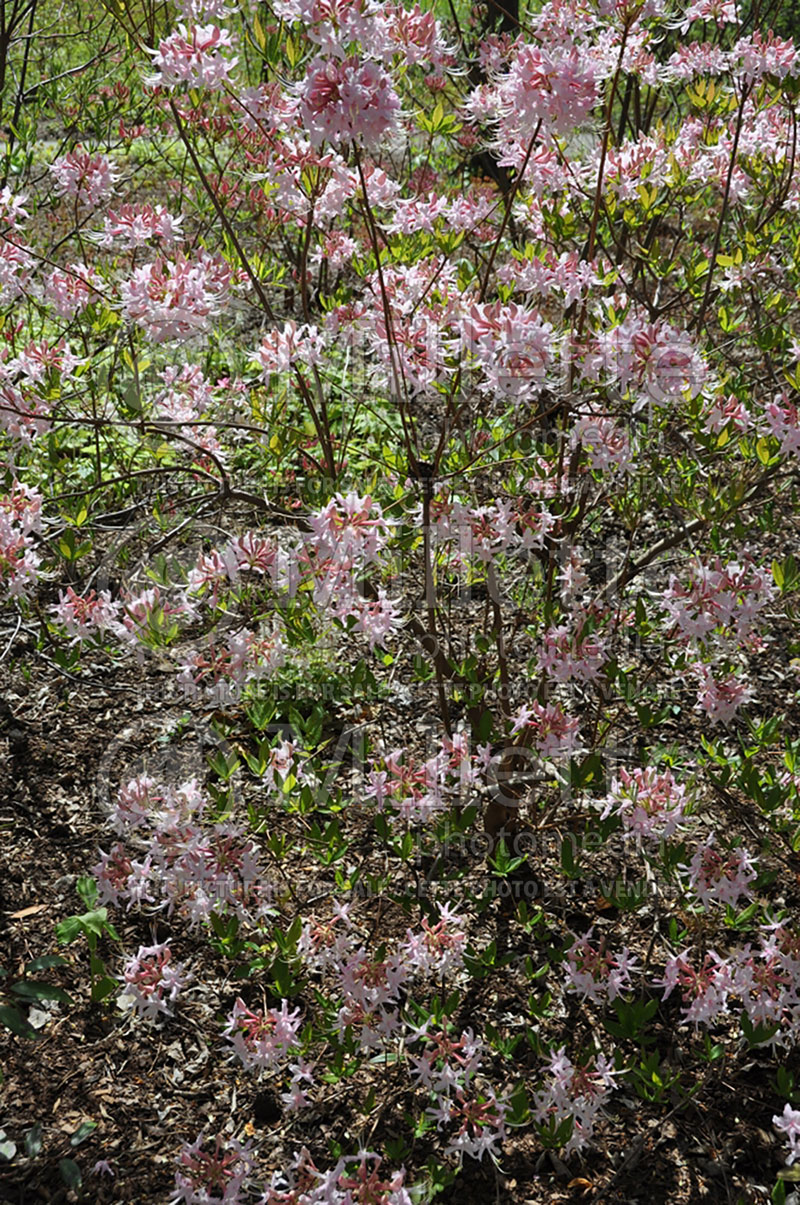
(431, 381)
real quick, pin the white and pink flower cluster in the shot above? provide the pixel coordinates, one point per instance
(594, 972)
(86, 616)
(543, 90)
(294, 346)
(466, 533)
(716, 876)
(197, 55)
(720, 695)
(577, 1091)
(262, 1038)
(414, 790)
(651, 805)
(87, 179)
(177, 299)
(553, 733)
(30, 382)
(224, 1174)
(20, 516)
(714, 595)
(152, 981)
(185, 865)
(513, 347)
(788, 1124)
(347, 536)
(572, 654)
(225, 666)
(70, 290)
(136, 225)
(765, 980)
(187, 397)
(652, 362)
(372, 990)
(213, 1176)
(348, 100)
(16, 259)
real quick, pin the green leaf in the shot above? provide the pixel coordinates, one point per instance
(44, 963)
(33, 1141)
(40, 991)
(82, 1133)
(103, 988)
(68, 930)
(70, 1173)
(14, 1020)
(95, 922)
(86, 888)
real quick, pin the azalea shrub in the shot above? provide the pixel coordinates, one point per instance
(363, 357)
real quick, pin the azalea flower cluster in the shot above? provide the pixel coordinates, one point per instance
(216, 1176)
(20, 516)
(224, 1175)
(650, 805)
(788, 1123)
(414, 790)
(594, 972)
(186, 398)
(372, 989)
(133, 226)
(86, 178)
(576, 1091)
(720, 877)
(196, 55)
(548, 728)
(176, 299)
(575, 655)
(86, 616)
(185, 866)
(731, 597)
(245, 657)
(29, 382)
(262, 1039)
(765, 980)
(72, 289)
(152, 981)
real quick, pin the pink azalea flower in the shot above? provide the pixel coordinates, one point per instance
(177, 299)
(788, 1123)
(650, 805)
(262, 1039)
(152, 982)
(213, 1177)
(348, 100)
(194, 55)
(87, 178)
(720, 878)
